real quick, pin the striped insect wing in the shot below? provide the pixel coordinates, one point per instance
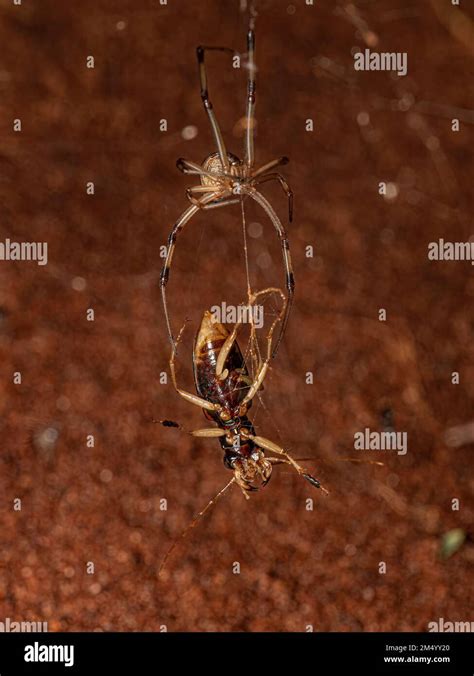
(230, 388)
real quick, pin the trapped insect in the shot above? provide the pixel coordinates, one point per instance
(226, 179)
(225, 391)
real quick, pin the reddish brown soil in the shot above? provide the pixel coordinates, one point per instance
(102, 504)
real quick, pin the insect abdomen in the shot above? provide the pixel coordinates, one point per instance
(230, 390)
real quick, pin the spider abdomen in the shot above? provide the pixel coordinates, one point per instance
(213, 165)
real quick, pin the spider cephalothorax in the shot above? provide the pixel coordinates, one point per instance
(225, 179)
(236, 179)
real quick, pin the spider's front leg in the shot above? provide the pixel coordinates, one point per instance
(208, 107)
(178, 226)
(191, 168)
(210, 200)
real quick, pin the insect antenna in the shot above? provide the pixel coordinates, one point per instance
(364, 460)
(191, 525)
(367, 462)
(314, 482)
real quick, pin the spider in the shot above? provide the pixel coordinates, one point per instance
(225, 180)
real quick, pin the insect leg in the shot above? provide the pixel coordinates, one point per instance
(200, 51)
(268, 445)
(286, 188)
(262, 372)
(230, 340)
(192, 398)
(208, 432)
(178, 226)
(225, 349)
(290, 279)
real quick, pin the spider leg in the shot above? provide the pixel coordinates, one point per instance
(211, 200)
(198, 189)
(250, 112)
(201, 188)
(285, 246)
(207, 102)
(178, 226)
(270, 165)
(286, 188)
(221, 203)
(188, 167)
(193, 169)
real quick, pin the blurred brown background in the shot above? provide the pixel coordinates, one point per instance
(102, 504)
